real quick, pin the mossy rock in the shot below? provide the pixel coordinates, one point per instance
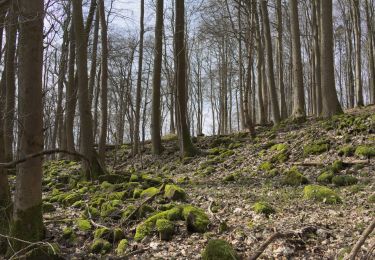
(137, 193)
(151, 181)
(122, 247)
(113, 178)
(119, 195)
(219, 249)
(273, 173)
(78, 204)
(126, 213)
(365, 151)
(344, 180)
(280, 157)
(134, 178)
(229, 178)
(279, 147)
(83, 224)
(174, 192)
(48, 207)
(165, 228)
(196, 219)
(145, 228)
(325, 177)
(337, 166)
(106, 186)
(322, 194)
(111, 209)
(316, 148)
(265, 166)
(100, 246)
(68, 233)
(71, 198)
(145, 210)
(294, 178)
(346, 151)
(112, 235)
(263, 208)
(149, 192)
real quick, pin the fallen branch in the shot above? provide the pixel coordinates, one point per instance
(14, 163)
(345, 163)
(149, 199)
(361, 241)
(91, 220)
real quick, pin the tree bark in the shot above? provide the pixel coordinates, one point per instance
(27, 221)
(330, 103)
(358, 46)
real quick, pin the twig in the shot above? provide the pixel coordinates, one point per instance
(149, 199)
(345, 163)
(361, 241)
(14, 163)
(91, 220)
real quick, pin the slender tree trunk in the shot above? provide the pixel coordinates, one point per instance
(186, 146)
(370, 48)
(298, 89)
(271, 77)
(317, 70)
(27, 221)
(139, 83)
(156, 80)
(331, 105)
(94, 58)
(358, 46)
(104, 82)
(87, 141)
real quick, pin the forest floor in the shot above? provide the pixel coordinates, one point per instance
(225, 181)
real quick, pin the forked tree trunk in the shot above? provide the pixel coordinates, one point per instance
(27, 221)
(330, 102)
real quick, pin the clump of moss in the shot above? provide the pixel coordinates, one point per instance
(112, 235)
(137, 193)
(316, 148)
(174, 192)
(322, 194)
(107, 186)
(113, 178)
(263, 208)
(109, 208)
(365, 151)
(371, 199)
(344, 180)
(346, 151)
(273, 173)
(265, 166)
(219, 249)
(122, 247)
(83, 224)
(71, 198)
(48, 207)
(68, 233)
(325, 177)
(196, 219)
(279, 147)
(149, 192)
(294, 178)
(229, 178)
(337, 166)
(165, 228)
(100, 246)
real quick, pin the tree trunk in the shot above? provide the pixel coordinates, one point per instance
(156, 80)
(358, 46)
(271, 77)
(27, 221)
(186, 146)
(370, 48)
(104, 83)
(298, 89)
(317, 70)
(331, 105)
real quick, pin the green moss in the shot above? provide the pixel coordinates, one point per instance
(78, 204)
(67, 233)
(316, 148)
(143, 230)
(149, 192)
(337, 166)
(122, 247)
(325, 177)
(48, 207)
(113, 178)
(196, 219)
(321, 193)
(279, 147)
(83, 224)
(71, 198)
(273, 173)
(110, 207)
(100, 246)
(294, 178)
(120, 195)
(126, 213)
(371, 199)
(280, 157)
(137, 193)
(174, 192)
(107, 186)
(145, 210)
(344, 180)
(165, 228)
(112, 235)
(134, 178)
(263, 208)
(265, 166)
(347, 150)
(229, 178)
(218, 249)
(365, 151)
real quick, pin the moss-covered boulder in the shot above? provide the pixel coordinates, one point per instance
(137, 193)
(68, 233)
(100, 246)
(111, 209)
(337, 166)
(174, 192)
(122, 247)
(149, 192)
(325, 177)
(219, 249)
(365, 151)
(316, 148)
(196, 219)
(165, 228)
(83, 224)
(346, 151)
(294, 178)
(106, 186)
(322, 194)
(263, 208)
(71, 198)
(112, 235)
(48, 207)
(344, 180)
